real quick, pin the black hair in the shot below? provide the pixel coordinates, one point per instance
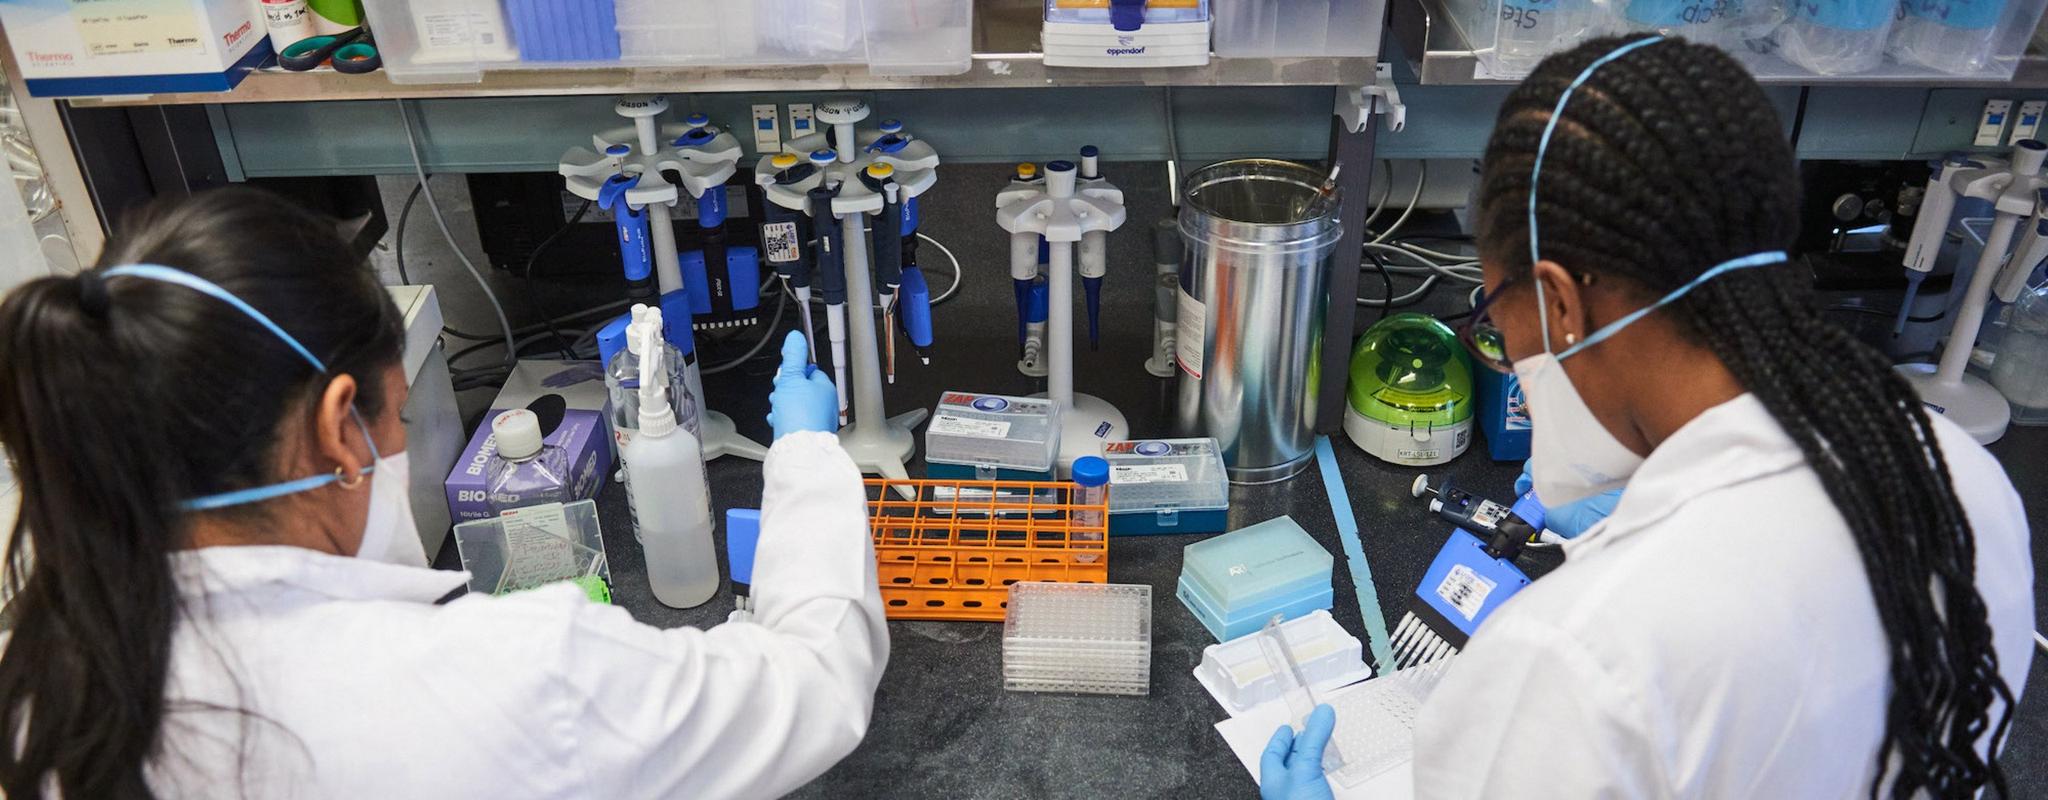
(1669, 160)
(121, 397)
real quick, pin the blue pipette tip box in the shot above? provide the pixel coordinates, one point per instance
(1234, 583)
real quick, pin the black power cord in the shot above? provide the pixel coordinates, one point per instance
(533, 297)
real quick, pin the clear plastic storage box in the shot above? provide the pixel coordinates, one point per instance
(1297, 28)
(453, 41)
(1236, 582)
(1167, 486)
(530, 547)
(1795, 40)
(991, 437)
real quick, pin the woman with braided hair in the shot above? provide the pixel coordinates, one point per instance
(1813, 587)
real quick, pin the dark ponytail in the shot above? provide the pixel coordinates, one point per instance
(1669, 160)
(120, 397)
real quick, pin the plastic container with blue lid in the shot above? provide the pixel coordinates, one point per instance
(1234, 583)
(991, 437)
(1167, 486)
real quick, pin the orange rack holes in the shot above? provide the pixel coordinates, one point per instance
(953, 552)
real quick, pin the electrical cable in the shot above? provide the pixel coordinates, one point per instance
(1384, 196)
(526, 278)
(1436, 254)
(1428, 284)
(404, 276)
(419, 169)
(1421, 178)
(405, 213)
(768, 334)
(1886, 314)
(1384, 278)
(958, 274)
(1467, 272)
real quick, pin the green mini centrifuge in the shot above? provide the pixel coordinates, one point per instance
(1410, 400)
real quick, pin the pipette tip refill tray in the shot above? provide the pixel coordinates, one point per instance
(1078, 637)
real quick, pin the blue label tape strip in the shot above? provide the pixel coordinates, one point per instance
(1361, 573)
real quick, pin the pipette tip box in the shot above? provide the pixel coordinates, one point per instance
(1167, 486)
(991, 437)
(1234, 583)
(1085, 638)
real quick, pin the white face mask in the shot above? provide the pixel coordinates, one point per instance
(389, 532)
(1572, 456)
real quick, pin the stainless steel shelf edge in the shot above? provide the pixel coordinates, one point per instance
(989, 71)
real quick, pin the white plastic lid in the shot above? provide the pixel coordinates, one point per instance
(518, 434)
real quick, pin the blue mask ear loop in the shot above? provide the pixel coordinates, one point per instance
(158, 272)
(1536, 171)
(1612, 328)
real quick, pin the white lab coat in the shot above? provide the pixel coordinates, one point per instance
(1715, 637)
(360, 687)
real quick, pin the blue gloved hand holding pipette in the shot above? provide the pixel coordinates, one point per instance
(803, 399)
(1292, 768)
(1571, 519)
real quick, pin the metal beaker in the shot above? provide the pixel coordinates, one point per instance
(1260, 234)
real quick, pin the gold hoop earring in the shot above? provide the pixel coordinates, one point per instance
(341, 477)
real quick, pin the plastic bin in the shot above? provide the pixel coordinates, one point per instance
(1807, 41)
(1235, 583)
(991, 437)
(534, 546)
(451, 41)
(1297, 28)
(1167, 486)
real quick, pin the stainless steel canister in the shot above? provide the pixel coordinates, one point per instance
(1260, 234)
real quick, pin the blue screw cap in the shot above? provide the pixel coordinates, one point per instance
(1059, 166)
(619, 150)
(697, 120)
(1091, 471)
(825, 155)
(892, 126)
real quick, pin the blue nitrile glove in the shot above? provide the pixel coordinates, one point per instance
(804, 399)
(1570, 519)
(1292, 768)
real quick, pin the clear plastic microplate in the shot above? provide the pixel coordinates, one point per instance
(1074, 637)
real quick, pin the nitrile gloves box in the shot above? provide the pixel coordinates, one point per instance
(68, 48)
(582, 434)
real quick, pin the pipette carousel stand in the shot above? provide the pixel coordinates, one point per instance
(879, 443)
(640, 151)
(1066, 215)
(2019, 193)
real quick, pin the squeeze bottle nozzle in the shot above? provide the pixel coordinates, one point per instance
(656, 418)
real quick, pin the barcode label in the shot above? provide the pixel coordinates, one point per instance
(950, 425)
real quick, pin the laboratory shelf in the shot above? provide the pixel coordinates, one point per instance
(1006, 56)
(1428, 28)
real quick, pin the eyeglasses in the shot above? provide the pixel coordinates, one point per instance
(1482, 337)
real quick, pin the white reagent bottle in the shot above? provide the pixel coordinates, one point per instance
(672, 502)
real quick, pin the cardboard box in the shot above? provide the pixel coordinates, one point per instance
(110, 47)
(582, 433)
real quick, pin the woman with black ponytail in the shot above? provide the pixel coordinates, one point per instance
(218, 591)
(1812, 587)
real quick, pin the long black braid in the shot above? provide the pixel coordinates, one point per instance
(1669, 160)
